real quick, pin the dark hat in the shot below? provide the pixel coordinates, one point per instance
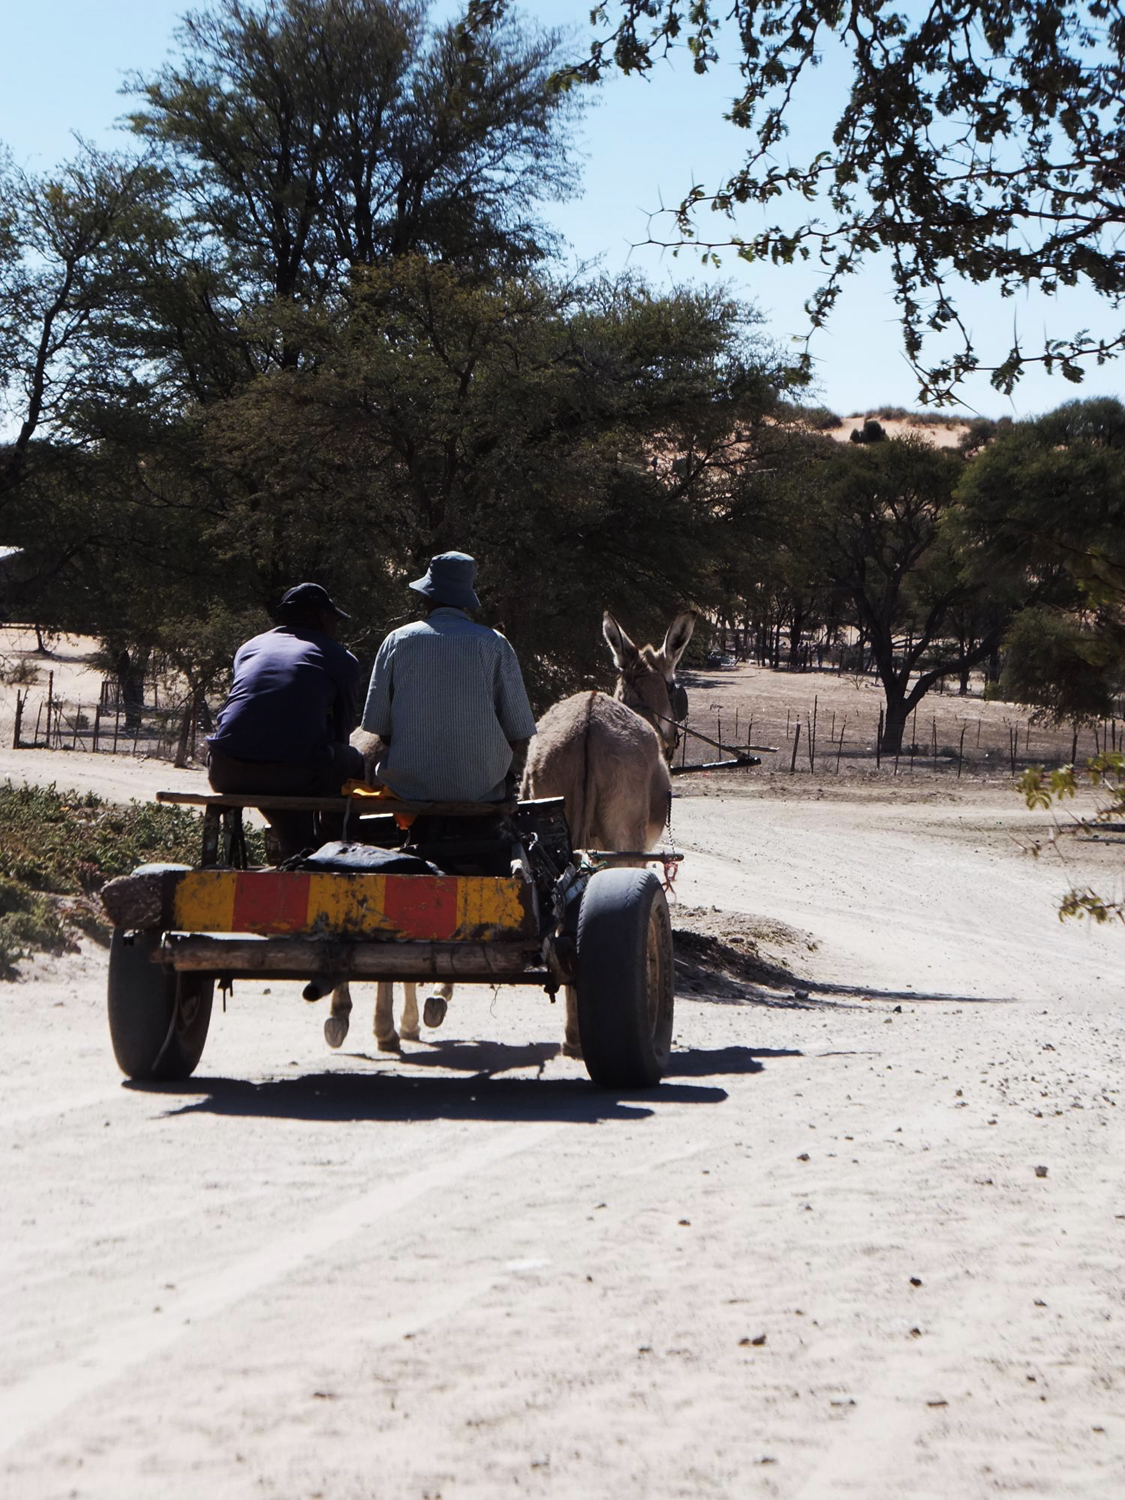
(449, 580)
(308, 599)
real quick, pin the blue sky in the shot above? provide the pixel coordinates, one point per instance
(643, 143)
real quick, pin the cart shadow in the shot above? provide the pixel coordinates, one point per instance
(717, 1062)
(487, 1059)
(332, 1097)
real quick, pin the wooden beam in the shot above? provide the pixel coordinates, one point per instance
(307, 958)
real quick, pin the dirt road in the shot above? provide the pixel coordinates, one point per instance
(865, 1241)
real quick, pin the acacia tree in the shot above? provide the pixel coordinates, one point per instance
(312, 137)
(881, 517)
(1047, 499)
(516, 419)
(974, 140)
(1049, 493)
(75, 248)
(1059, 666)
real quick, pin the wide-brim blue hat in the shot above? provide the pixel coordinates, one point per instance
(449, 580)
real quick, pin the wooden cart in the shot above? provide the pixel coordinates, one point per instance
(515, 904)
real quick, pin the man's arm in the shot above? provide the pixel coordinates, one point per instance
(377, 717)
(345, 714)
(512, 707)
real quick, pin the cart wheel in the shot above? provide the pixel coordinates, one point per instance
(158, 1019)
(625, 979)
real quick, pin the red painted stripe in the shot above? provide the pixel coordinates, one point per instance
(271, 903)
(420, 906)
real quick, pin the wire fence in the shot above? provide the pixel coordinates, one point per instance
(947, 735)
(109, 724)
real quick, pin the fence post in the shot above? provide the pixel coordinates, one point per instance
(19, 720)
(961, 750)
(879, 742)
(812, 736)
(796, 742)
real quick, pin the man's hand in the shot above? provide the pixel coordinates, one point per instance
(371, 747)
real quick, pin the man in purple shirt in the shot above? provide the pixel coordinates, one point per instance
(284, 729)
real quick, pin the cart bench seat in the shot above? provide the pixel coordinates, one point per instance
(230, 800)
(222, 814)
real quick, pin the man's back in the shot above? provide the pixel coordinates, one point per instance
(447, 695)
(294, 693)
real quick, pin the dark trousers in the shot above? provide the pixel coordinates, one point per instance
(278, 778)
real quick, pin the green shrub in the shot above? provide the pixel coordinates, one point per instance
(891, 413)
(57, 850)
(28, 923)
(71, 842)
(819, 418)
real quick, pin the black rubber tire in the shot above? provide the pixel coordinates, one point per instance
(158, 1019)
(626, 989)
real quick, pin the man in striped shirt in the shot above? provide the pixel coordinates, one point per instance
(447, 698)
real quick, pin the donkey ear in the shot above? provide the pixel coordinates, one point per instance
(623, 649)
(679, 633)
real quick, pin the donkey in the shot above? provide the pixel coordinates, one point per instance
(608, 757)
(387, 1039)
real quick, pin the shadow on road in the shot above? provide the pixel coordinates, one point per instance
(700, 1062)
(714, 971)
(399, 1097)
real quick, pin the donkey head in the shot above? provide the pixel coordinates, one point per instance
(646, 679)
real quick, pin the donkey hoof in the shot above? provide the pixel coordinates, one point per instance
(410, 1036)
(433, 1012)
(572, 1049)
(335, 1030)
(388, 1043)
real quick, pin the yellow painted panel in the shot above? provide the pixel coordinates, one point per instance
(341, 903)
(491, 905)
(205, 901)
(471, 908)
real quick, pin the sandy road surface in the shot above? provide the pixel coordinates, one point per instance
(818, 1261)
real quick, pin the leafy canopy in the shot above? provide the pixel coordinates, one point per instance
(310, 137)
(974, 140)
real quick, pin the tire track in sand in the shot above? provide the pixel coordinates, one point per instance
(38, 1400)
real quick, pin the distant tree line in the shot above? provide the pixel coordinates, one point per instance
(313, 326)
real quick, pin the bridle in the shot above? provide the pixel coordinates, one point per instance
(677, 701)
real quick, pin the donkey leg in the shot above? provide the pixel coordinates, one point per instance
(408, 1026)
(572, 1042)
(437, 1003)
(386, 1037)
(336, 1026)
